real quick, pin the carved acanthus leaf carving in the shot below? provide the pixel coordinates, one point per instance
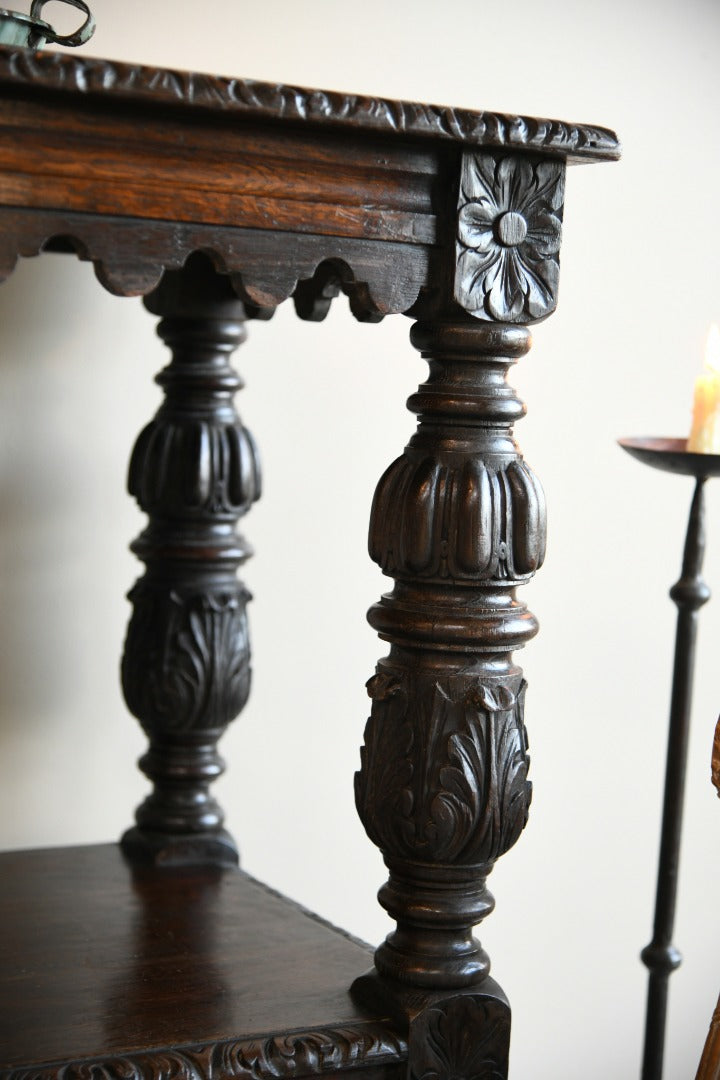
(466, 1037)
(450, 786)
(509, 228)
(88, 76)
(186, 665)
(465, 523)
(297, 1054)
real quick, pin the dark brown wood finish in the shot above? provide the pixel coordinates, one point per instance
(112, 964)
(318, 110)
(217, 199)
(459, 522)
(443, 789)
(194, 471)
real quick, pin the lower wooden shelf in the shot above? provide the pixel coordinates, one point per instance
(111, 971)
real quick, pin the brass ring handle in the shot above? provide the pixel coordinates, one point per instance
(80, 36)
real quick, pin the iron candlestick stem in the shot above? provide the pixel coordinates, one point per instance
(689, 593)
(660, 956)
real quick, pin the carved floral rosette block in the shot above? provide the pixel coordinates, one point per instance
(458, 520)
(186, 667)
(508, 237)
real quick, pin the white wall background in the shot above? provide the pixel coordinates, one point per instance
(640, 285)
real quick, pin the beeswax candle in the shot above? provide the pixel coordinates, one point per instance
(705, 432)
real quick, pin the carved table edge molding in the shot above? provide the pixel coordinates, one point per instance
(298, 1053)
(90, 76)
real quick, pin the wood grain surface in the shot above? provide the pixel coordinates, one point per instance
(82, 76)
(103, 962)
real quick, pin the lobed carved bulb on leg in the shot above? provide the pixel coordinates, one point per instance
(186, 667)
(459, 522)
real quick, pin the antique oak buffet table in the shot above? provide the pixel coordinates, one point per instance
(217, 199)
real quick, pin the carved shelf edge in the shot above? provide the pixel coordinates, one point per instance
(89, 76)
(380, 277)
(300, 1053)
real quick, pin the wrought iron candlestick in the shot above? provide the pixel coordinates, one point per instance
(689, 594)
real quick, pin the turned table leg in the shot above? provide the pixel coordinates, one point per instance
(458, 521)
(186, 666)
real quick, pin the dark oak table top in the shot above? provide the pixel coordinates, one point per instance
(136, 167)
(89, 77)
(101, 961)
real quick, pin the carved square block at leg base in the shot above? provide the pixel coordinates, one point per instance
(451, 1034)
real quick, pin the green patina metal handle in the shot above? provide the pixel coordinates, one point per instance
(32, 32)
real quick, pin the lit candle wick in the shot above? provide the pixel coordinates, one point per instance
(705, 432)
